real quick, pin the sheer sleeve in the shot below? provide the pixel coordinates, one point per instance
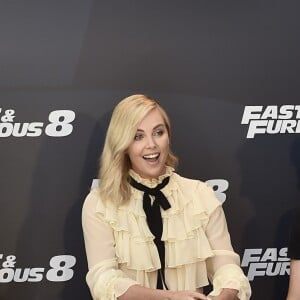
(105, 280)
(224, 267)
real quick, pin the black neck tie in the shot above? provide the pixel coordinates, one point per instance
(154, 219)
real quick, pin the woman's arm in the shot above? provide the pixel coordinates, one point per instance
(294, 286)
(105, 280)
(224, 270)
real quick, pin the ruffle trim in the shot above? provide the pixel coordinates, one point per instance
(232, 277)
(102, 279)
(151, 183)
(184, 227)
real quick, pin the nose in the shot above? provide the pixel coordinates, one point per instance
(150, 142)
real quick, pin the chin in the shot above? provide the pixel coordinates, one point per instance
(157, 174)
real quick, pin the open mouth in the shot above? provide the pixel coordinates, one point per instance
(151, 157)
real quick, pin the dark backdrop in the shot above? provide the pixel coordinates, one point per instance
(205, 61)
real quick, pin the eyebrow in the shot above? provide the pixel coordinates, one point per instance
(157, 126)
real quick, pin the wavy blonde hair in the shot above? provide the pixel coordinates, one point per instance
(114, 160)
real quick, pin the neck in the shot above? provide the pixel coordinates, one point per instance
(151, 182)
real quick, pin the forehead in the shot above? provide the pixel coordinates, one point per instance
(152, 119)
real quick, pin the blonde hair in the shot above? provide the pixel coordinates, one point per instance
(114, 161)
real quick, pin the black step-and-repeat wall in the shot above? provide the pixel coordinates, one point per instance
(226, 71)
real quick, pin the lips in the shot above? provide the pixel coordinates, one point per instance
(152, 156)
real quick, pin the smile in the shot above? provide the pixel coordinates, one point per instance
(151, 156)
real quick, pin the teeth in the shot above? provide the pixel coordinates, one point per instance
(151, 156)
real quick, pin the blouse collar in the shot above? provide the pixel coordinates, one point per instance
(153, 182)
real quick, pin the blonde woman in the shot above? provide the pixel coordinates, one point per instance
(150, 233)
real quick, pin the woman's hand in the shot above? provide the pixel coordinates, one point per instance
(187, 295)
(138, 292)
(226, 294)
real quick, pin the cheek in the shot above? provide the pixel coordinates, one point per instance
(134, 150)
(165, 144)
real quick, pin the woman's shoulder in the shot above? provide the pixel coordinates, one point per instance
(191, 183)
(91, 199)
(197, 190)
(92, 196)
(93, 203)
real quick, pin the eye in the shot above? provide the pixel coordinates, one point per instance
(158, 132)
(138, 136)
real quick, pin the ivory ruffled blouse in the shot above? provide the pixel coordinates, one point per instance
(121, 252)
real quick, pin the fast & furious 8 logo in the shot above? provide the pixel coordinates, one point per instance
(60, 269)
(59, 124)
(266, 262)
(271, 119)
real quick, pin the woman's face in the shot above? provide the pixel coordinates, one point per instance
(149, 150)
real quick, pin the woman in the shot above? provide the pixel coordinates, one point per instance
(150, 233)
(294, 254)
